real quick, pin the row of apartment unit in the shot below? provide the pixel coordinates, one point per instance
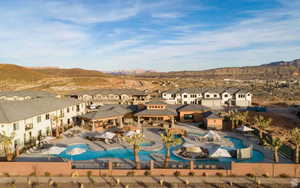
(26, 120)
(111, 96)
(210, 97)
(24, 95)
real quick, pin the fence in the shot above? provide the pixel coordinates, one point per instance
(83, 169)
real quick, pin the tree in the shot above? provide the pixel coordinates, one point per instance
(295, 139)
(244, 117)
(56, 119)
(169, 140)
(233, 116)
(6, 144)
(262, 123)
(136, 140)
(275, 143)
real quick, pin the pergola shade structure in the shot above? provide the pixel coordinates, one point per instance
(111, 115)
(156, 113)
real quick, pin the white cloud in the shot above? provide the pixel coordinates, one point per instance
(169, 15)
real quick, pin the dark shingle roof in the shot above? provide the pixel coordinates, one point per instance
(161, 112)
(192, 107)
(108, 111)
(157, 101)
(12, 111)
(213, 116)
(110, 91)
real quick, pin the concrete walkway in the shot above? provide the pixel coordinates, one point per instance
(139, 181)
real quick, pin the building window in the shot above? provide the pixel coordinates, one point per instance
(39, 119)
(188, 116)
(184, 96)
(225, 95)
(77, 108)
(47, 116)
(207, 96)
(215, 95)
(68, 110)
(16, 126)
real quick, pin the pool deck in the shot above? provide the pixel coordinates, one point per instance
(152, 134)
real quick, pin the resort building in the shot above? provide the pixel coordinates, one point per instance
(109, 116)
(24, 95)
(209, 97)
(26, 121)
(192, 113)
(112, 96)
(156, 113)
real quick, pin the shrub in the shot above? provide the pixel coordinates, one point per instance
(47, 174)
(219, 174)
(89, 173)
(204, 174)
(191, 173)
(265, 175)
(177, 173)
(130, 173)
(32, 174)
(6, 174)
(283, 175)
(250, 175)
(147, 173)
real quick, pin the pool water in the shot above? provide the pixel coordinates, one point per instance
(146, 155)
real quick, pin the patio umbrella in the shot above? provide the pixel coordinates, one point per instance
(244, 128)
(76, 151)
(195, 149)
(54, 150)
(218, 153)
(130, 133)
(106, 135)
(212, 135)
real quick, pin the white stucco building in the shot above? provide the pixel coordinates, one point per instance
(28, 119)
(210, 97)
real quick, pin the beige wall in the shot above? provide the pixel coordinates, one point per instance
(214, 124)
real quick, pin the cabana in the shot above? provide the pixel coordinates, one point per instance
(218, 153)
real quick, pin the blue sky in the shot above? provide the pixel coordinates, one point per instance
(162, 35)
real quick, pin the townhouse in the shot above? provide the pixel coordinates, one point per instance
(112, 96)
(24, 95)
(209, 97)
(27, 120)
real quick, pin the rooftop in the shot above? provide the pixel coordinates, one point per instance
(12, 111)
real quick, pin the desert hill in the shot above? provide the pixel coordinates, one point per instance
(276, 70)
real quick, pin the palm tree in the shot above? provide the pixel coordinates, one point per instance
(56, 119)
(6, 144)
(244, 117)
(169, 140)
(233, 116)
(275, 143)
(262, 123)
(135, 140)
(295, 139)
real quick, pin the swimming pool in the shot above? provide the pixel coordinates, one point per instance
(146, 155)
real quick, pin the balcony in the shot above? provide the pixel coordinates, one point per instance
(28, 127)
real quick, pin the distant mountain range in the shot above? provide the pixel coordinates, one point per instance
(132, 72)
(275, 70)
